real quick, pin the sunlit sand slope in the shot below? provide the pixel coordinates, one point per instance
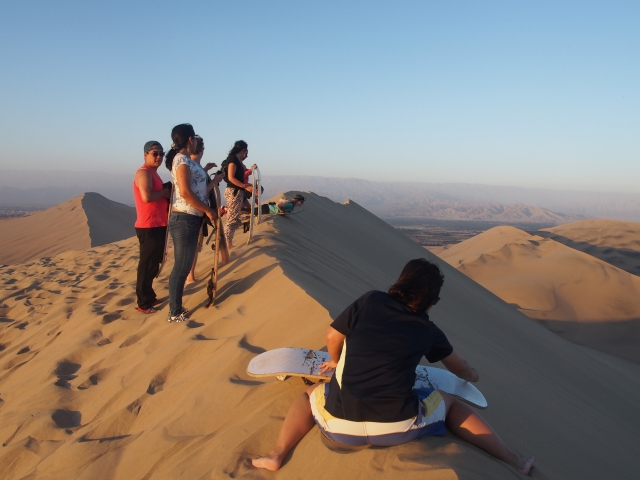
(574, 294)
(615, 242)
(90, 389)
(88, 220)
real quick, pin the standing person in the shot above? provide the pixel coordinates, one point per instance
(151, 197)
(189, 206)
(375, 347)
(234, 194)
(197, 157)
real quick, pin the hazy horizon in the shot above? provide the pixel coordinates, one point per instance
(529, 94)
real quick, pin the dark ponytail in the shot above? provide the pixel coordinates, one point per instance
(180, 136)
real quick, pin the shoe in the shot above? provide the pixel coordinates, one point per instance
(181, 317)
(147, 310)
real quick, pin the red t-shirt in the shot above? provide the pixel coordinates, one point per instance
(152, 214)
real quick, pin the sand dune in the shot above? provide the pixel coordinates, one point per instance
(615, 242)
(90, 389)
(574, 294)
(86, 221)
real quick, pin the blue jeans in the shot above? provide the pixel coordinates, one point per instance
(184, 229)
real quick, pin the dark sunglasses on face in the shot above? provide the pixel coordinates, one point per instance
(156, 153)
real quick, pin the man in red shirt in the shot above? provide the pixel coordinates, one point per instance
(152, 205)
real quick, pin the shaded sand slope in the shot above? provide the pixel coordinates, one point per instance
(615, 242)
(88, 220)
(574, 294)
(92, 390)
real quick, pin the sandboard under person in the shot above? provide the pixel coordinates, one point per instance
(152, 203)
(375, 346)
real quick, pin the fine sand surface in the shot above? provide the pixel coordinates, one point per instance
(86, 221)
(615, 242)
(90, 389)
(580, 297)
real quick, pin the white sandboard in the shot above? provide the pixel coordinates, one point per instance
(254, 178)
(302, 362)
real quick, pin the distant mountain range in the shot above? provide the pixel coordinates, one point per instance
(385, 199)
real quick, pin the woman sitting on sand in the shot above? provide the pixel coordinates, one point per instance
(282, 206)
(188, 207)
(375, 346)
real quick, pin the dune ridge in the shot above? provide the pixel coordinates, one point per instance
(614, 242)
(90, 389)
(86, 221)
(576, 295)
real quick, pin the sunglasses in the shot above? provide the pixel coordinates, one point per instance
(156, 153)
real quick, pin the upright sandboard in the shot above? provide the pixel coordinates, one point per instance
(166, 235)
(252, 203)
(256, 172)
(302, 362)
(212, 286)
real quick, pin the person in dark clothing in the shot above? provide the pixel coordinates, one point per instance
(152, 204)
(235, 193)
(375, 346)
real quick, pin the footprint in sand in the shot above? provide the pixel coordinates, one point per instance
(93, 379)
(22, 325)
(157, 384)
(23, 350)
(111, 317)
(123, 302)
(100, 278)
(66, 419)
(66, 371)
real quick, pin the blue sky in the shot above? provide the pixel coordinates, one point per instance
(539, 94)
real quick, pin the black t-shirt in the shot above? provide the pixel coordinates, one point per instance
(384, 343)
(239, 175)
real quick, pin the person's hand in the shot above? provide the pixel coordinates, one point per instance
(249, 188)
(166, 192)
(330, 365)
(209, 166)
(212, 214)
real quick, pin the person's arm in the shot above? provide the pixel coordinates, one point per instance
(460, 367)
(183, 179)
(209, 166)
(144, 181)
(335, 341)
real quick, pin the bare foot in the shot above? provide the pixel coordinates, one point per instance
(189, 281)
(270, 463)
(524, 465)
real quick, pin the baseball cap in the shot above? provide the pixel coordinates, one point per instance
(150, 144)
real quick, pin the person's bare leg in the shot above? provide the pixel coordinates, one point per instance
(467, 424)
(191, 278)
(296, 425)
